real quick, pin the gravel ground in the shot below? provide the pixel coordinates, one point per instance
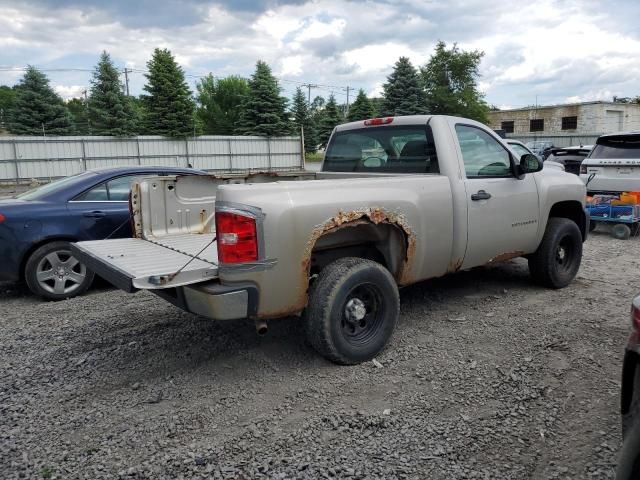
(487, 376)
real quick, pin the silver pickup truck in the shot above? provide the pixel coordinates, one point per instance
(398, 200)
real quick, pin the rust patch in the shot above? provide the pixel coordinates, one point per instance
(135, 210)
(506, 256)
(342, 219)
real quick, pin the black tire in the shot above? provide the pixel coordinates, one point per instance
(621, 231)
(635, 229)
(628, 467)
(51, 272)
(557, 260)
(344, 291)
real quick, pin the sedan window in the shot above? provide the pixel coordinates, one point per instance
(116, 190)
(96, 194)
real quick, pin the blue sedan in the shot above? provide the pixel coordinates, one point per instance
(37, 226)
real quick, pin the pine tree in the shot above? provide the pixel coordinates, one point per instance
(219, 103)
(330, 118)
(403, 92)
(109, 109)
(168, 107)
(78, 110)
(450, 83)
(264, 110)
(37, 106)
(302, 119)
(7, 97)
(361, 108)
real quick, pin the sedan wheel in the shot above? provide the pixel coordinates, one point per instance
(53, 273)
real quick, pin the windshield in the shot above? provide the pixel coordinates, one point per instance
(617, 147)
(399, 149)
(49, 188)
(519, 149)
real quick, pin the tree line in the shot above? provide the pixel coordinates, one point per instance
(446, 84)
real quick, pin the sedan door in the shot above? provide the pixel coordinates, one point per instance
(103, 210)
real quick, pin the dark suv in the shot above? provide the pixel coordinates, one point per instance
(570, 157)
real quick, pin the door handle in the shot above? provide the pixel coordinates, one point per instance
(481, 195)
(95, 214)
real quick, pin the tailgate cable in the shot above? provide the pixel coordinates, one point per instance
(164, 279)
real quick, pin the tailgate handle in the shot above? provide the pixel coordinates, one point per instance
(95, 214)
(481, 195)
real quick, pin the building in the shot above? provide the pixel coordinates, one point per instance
(586, 119)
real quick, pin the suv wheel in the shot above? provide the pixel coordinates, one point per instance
(353, 309)
(53, 273)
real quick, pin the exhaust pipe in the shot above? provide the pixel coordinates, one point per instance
(261, 327)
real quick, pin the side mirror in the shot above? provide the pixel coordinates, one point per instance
(529, 163)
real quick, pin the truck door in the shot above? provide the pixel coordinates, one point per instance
(503, 212)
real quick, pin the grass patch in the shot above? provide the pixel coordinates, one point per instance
(313, 157)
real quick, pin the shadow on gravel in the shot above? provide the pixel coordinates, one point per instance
(153, 340)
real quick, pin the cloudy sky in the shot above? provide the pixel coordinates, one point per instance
(557, 50)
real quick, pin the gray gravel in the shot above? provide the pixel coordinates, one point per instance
(487, 376)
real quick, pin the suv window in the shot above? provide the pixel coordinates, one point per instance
(483, 155)
(399, 149)
(627, 147)
(116, 190)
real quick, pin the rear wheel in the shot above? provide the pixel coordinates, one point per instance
(353, 310)
(557, 260)
(53, 273)
(621, 231)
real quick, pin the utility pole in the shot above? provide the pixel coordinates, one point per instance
(126, 80)
(309, 87)
(86, 109)
(346, 110)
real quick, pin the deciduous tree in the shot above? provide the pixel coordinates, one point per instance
(450, 80)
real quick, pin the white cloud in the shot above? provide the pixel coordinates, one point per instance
(557, 49)
(71, 91)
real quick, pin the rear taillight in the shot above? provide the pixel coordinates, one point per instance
(237, 238)
(378, 121)
(583, 169)
(2, 218)
(635, 315)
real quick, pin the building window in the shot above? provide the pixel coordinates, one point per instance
(507, 126)
(536, 125)
(569, 123)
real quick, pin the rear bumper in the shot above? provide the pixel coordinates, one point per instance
(214, 300)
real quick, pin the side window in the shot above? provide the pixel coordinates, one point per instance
(96, 194)
(116, 190)
(483, 155)
(119, 188)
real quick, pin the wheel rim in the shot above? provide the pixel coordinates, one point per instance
(60, 273)
(362, 314)
(565, 254)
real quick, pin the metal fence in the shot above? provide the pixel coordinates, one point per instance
(558, 140)
(25, 158)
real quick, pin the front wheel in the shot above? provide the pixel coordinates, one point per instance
(353, 310)
(557, 260)
(53, 273)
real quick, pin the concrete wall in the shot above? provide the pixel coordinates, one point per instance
(594, 118)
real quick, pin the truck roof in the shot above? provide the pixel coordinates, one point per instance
(402, 120)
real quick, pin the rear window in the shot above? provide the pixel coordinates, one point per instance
(617, 147)
(395, 149)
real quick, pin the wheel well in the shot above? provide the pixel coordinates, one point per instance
(573, 211)
(35, 246)
(382, 243)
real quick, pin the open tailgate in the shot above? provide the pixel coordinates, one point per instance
(164, 262)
